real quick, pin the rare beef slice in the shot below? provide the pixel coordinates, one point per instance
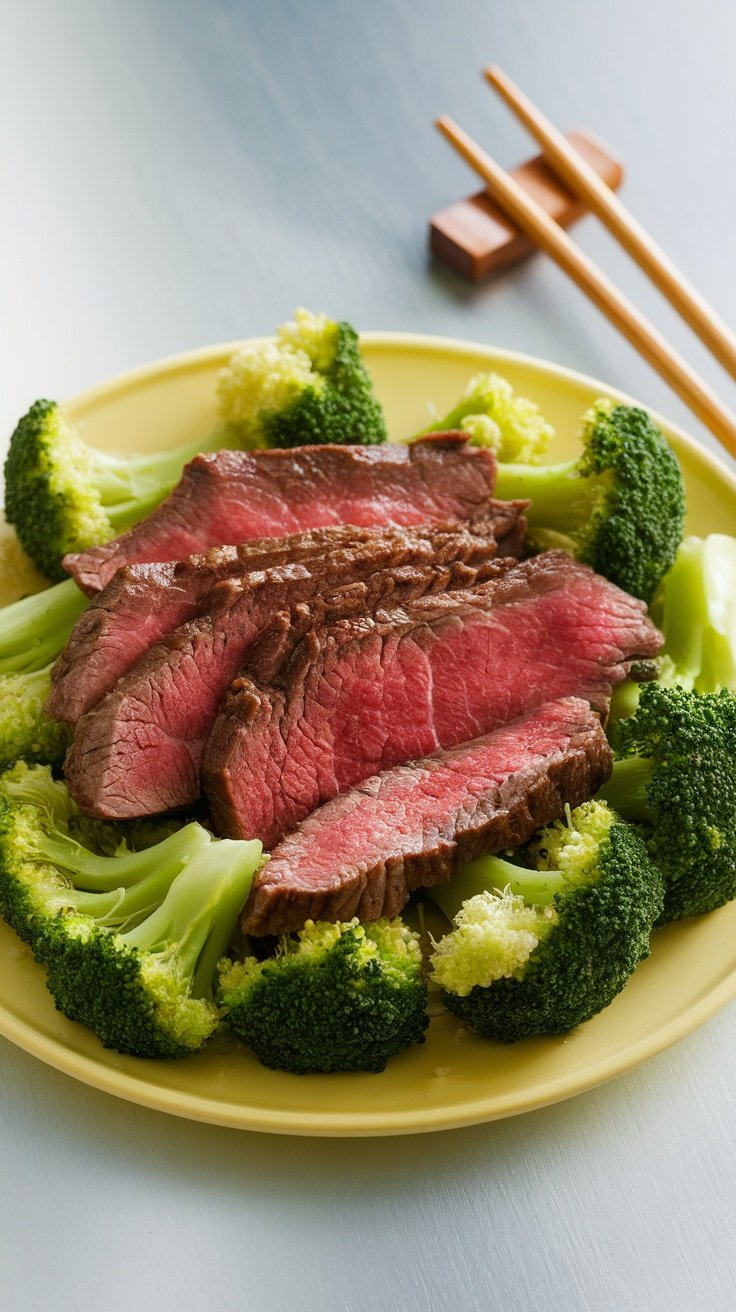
(231, 496)
(139, 750)
(363, 853)
(360, 695)
(145, 602)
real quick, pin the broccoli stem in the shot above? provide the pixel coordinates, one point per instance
(561, 498)
(34, 629)
(102, 874)
(492, 872)
(118, 906)
(696, 611)
(194, 922)
(130, 488)
(627, 789)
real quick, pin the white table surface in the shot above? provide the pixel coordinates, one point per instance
(176, 174)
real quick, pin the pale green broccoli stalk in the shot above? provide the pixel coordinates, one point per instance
(539, 950)
(130, 941)
(34, 629)
(309, 385)
(334, 997)
(676, 773)
(494, 416)
(50, 852)
(64, 496)
(618, 507)
(696, 611)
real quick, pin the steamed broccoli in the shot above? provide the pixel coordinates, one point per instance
(540, 950)
(32, 633)
(130, 941)
(309, 385)
(334, 997)
(26, 731)
(34, 629)
(618, 507)
(64, 496)
(677, 775)
(494, 416)
(696, 611)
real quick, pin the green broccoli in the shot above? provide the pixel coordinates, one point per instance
(539, 950)
(334, 997)
(618, 507)
(26, 731)
(676, 774)
(32, 633)
(34, 629)
(131, 940)
(494, 416)
(64, 496)
(310, 385)
(696, 611)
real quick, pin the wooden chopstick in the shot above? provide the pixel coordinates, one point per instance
(532, 219)
(584, 182)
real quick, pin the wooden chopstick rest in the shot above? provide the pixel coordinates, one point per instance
(475, 238)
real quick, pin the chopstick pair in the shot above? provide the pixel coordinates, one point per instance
(581, 179)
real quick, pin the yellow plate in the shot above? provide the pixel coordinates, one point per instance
(454, 1078)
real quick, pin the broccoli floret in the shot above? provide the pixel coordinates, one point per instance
(32, 633)
(64, 496)
(494, 416)
(26, 731)
(130, 941)
(309, 385)
(540, 950)
(334, 997)
(618, 507)
(676, 773)
(696, 611)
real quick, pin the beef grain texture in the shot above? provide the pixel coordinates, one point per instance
(139, 750)
(358, 696)
(144, 602)
(231, 496)
(363, 853)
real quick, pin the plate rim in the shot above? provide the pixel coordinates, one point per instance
(193, 1106)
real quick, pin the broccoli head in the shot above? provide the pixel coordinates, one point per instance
(494, 416)
(619, 506)
(130, 940)
(63, 496)
(26, 732)
(539, 950)
(309, 385)
(676, 774)
(334, 997)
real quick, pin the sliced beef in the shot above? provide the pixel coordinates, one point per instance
(230, 496)
(139, 750)
(144, 602)
(361, 695)
(363, 853)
